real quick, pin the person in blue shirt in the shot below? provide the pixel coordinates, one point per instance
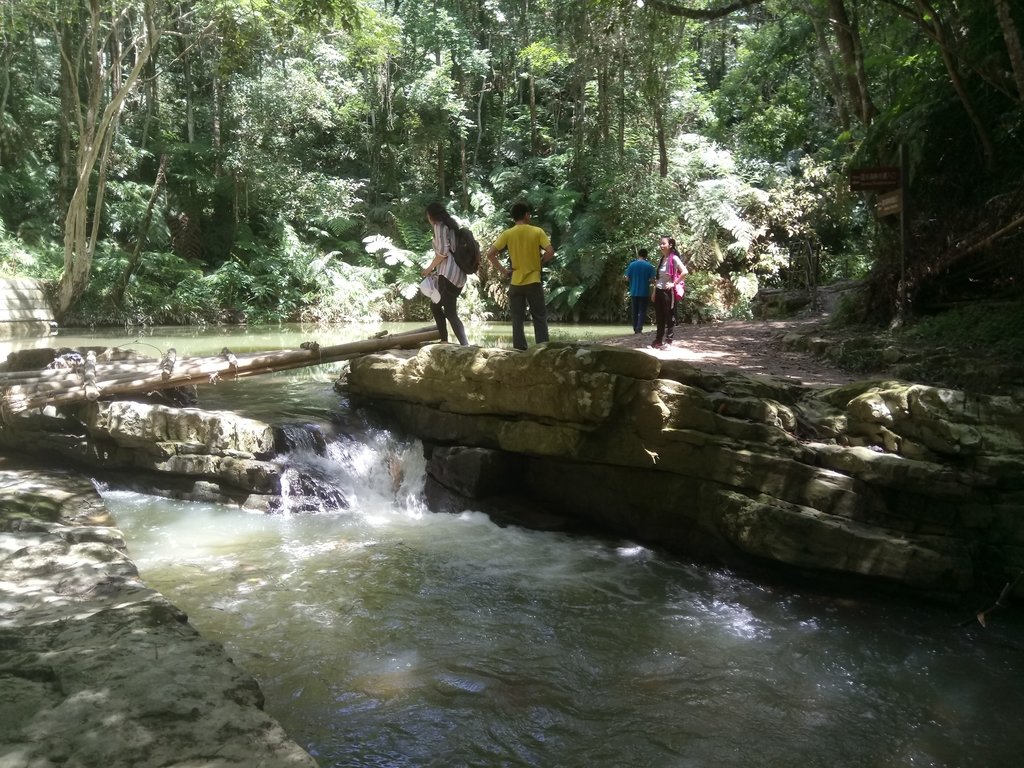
(640, 273)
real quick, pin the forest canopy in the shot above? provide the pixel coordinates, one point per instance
(195, 161)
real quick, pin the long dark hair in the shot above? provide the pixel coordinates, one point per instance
(438, 212)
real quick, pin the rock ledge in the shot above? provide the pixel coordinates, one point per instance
(97, 670)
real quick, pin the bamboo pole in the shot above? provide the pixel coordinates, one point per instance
(96, 379)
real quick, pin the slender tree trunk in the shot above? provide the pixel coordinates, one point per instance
(659, 130)
(480, 119)
(116, 294)
(531, 85)
(621, 138)
(152, 90)
(464, 172)
(96, 129)
(851, 52)
(1013, 45)
(604, 98)
(442, 182)
(579, 120)
(69, 104)
(832, 80)
(534, 139)
(8, 55)
(184, 29)
(218, 101)
(190, 116)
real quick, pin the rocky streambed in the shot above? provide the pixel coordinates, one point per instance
(872, 486)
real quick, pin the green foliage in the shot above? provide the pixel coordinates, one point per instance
(18, 260)
(165, 290)
(708, 298)
(347, 293)
(303, 138)
(401, 266)
(771, 100)
(725, 213)
(996, 328)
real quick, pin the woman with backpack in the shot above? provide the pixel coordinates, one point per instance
(667, 290)
(450, 278)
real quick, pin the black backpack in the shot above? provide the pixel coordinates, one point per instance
(467, 251)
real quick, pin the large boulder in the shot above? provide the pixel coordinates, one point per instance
(910, 486)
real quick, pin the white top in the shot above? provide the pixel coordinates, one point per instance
(665, 275)
(444, 243)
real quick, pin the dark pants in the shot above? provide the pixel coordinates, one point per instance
(638, 311)
(445, 309)
(518, 298)
(664, 314)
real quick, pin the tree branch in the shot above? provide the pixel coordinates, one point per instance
(701, 14)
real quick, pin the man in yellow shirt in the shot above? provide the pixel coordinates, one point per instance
(528, 248)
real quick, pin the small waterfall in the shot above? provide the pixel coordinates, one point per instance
(364, 471)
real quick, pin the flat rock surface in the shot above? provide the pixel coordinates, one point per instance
(746, 346)
(98, 670)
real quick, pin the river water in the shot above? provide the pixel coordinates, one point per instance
(385, 635)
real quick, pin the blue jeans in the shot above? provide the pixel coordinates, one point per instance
(518, 298)
(638, 311)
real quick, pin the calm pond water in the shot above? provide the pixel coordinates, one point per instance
(384, 635)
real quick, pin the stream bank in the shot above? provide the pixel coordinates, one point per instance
(96, 669)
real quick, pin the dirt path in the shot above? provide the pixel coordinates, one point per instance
(748, 346)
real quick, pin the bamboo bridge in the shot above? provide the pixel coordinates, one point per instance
(88, 374)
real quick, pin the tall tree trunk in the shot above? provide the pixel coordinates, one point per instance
(851, 52)
(464, 171)
(442, 182)
(531, 85)
(621, 138)
(8, 54)
(152, 99)
(1013, 46)
(67, 35)
(218, 107)
(832, 80)
(480, 119)
(659, 130)
(534, 138)
(604, 98)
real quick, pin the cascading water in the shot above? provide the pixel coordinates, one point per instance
(384, 635)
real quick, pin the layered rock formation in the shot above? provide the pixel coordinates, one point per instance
(906, 486)
(95, 668)
(184, 453)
